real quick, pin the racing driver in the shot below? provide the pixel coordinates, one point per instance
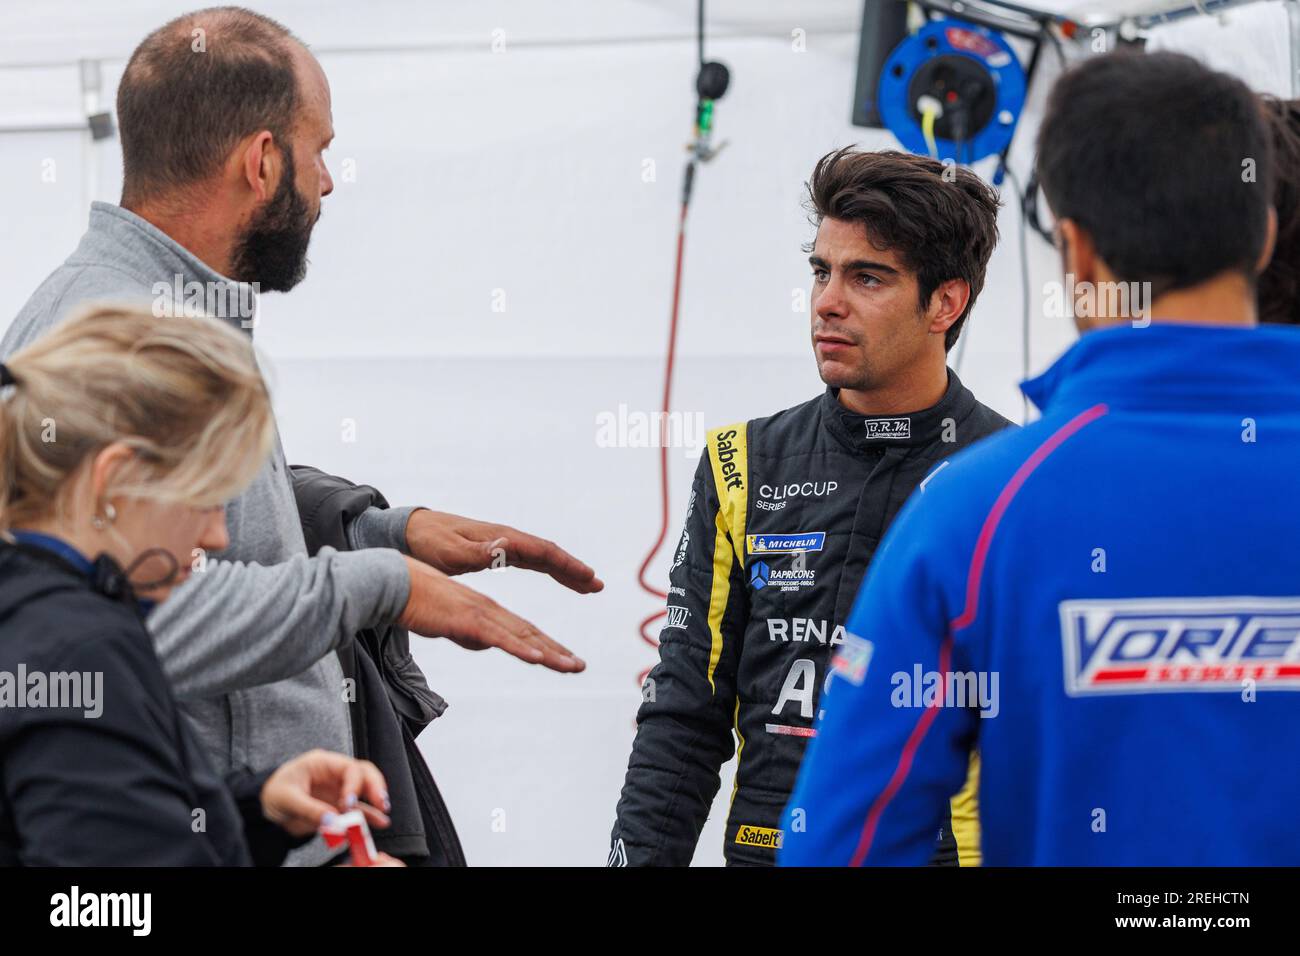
(786, 511)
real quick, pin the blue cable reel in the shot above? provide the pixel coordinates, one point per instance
(952, 90)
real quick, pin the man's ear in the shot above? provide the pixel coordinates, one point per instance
(947, 303)
(261, 165)
(1270, 242)
(1078, 254)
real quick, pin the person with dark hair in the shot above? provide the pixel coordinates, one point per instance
(1279, 284)
(786, 510)
(1106, 603)
(224, 119)
(190, 94)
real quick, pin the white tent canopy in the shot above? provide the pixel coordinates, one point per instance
(61, 31)
(546, 179)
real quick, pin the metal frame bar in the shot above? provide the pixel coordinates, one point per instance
(1025, 27)
(1293, 17)
(1144, 20)
(54, 126)
(1204, 8)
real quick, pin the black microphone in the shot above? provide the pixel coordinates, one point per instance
(712, 80)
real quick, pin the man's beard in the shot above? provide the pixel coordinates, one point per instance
(859, 379)
(272, 250)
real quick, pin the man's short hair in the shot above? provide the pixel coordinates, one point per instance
(1279, 284)
(193, 89)
(1165, 163)
(941, 220)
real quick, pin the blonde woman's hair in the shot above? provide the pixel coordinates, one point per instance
(184, 393)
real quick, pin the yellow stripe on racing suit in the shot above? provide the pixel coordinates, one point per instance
(730, 456)
(966, 816)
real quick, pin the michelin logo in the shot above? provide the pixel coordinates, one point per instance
(784, 543)
(1150, 645)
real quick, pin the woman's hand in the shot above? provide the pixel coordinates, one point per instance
(299, 794)
(382, 859)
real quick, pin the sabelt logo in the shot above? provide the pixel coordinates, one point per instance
(760, 836)
(726, 452)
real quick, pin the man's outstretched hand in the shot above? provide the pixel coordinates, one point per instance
(456, 545)
(440, 607)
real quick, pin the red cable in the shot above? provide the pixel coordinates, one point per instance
(663, 447)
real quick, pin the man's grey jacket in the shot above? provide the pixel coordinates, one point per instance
(247, 643)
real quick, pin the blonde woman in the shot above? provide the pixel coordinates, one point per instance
(121, 437)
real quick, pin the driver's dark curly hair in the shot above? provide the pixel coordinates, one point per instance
(941, 219)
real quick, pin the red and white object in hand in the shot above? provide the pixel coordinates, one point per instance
(351, 828)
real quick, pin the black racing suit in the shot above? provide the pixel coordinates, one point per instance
(784, 516)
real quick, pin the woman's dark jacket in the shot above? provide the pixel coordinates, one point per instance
(97, 765)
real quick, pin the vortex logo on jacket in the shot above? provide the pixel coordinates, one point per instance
(1143, 645)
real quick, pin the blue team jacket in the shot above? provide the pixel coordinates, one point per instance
(1106, 604)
